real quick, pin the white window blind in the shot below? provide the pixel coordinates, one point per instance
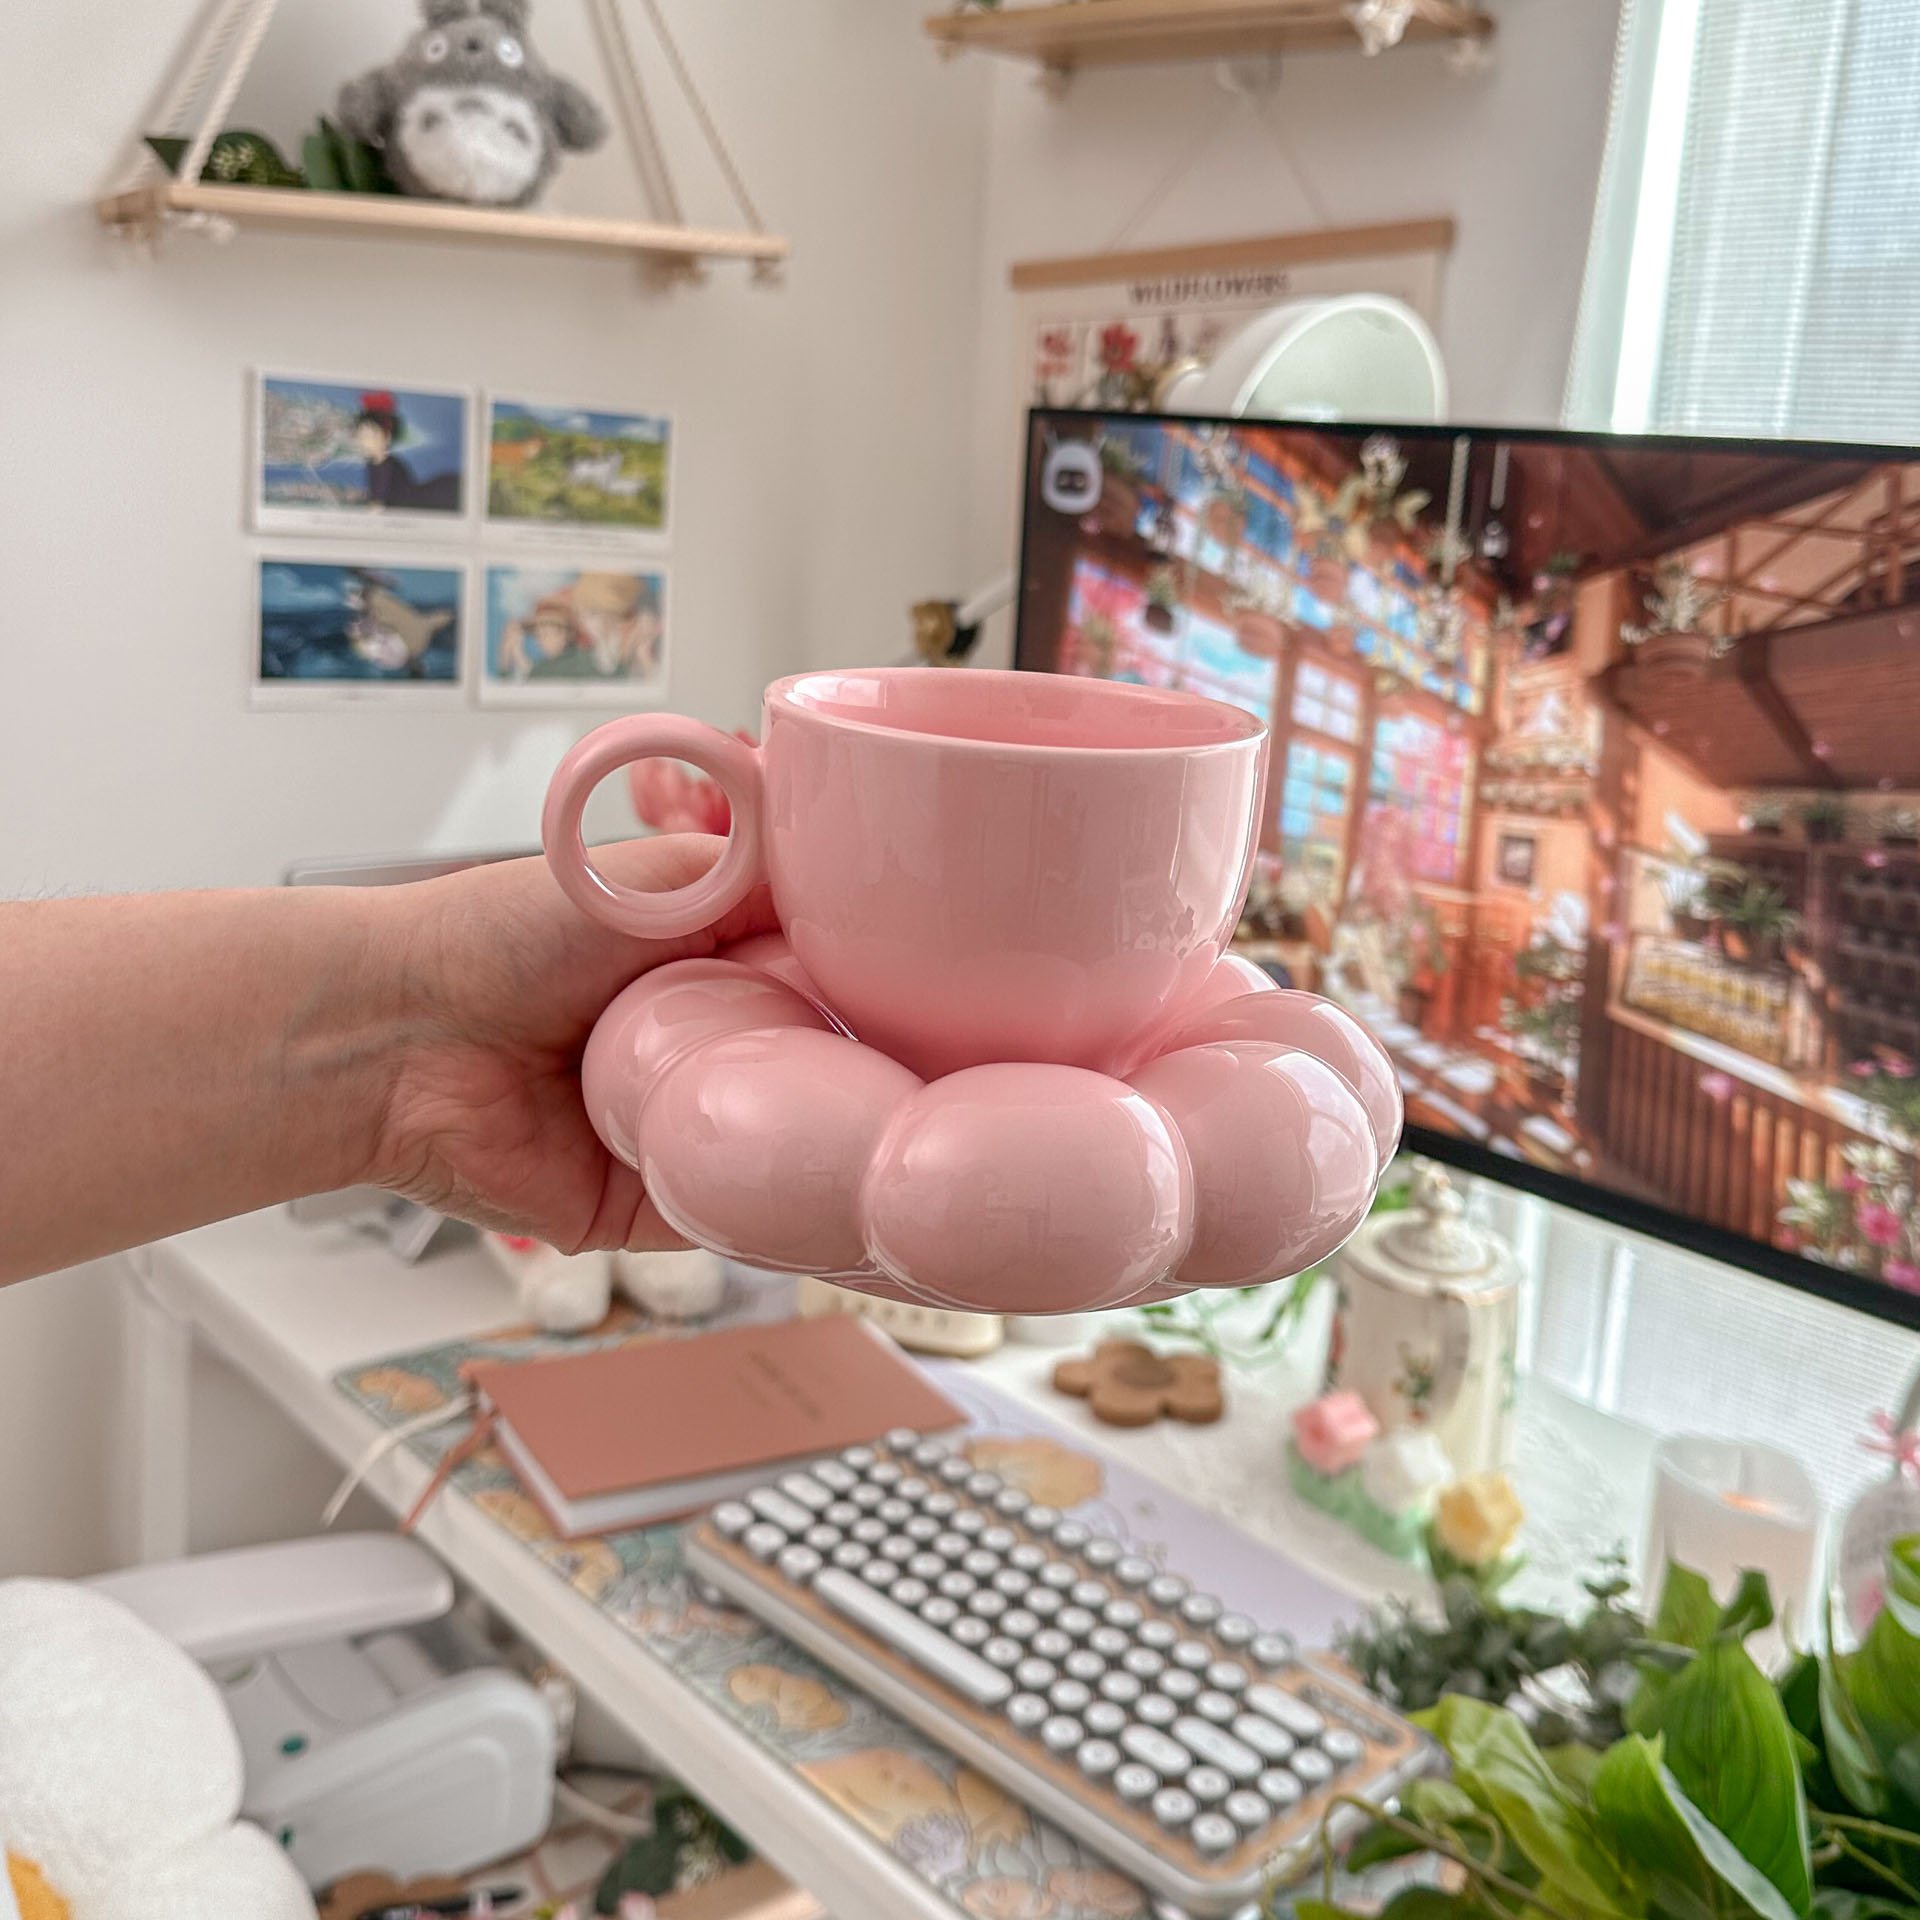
(1756, 256)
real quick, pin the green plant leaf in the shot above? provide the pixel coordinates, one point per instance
(1497, 1765)
(1673, 1842)
(1750, 1609)
(1841, 1903)
(1732, 1751)
(1903, 1584)
(1378, 1845)
(316, 155)
(1688, 1615)
(1850, 1755)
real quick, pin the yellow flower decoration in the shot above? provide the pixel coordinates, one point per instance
(1477, 1519)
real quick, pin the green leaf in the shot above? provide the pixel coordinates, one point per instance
(1429, 1903)
(1851, 1758)
(1688, 1615)
(316, 154)
(1673, 1842)
(1840, 1903)
(1750, 1609)
(1573, 1766)
(1732, 1751)
(1378, 1845)
(1499, 1767)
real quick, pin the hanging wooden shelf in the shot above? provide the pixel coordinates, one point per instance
(1099, 33)
(146, 209)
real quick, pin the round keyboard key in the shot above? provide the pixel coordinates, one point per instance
(1272, 1650)
(1228, 1676)
(843, 1513)
(1122, 1613)
(885, 1473)
(1178, 1684)
(1062, 1733)
(1041, 1519)
(926, 1566)
(1012, 1582)
(1058, 1575)
(898, 1548)
(928, 1454)
(1160, 1635)
(1102, 1551)
(1006, 1655)
(1199, 1609)
(1234, 1630)
(1208, 1785)
(798, 1564)
(910, 1592)
(1120, 1687)
(950, 1545)
(880, 1573)
(1156, 1710)
(1132, 1571)
(1020, 1623)
(1267, 1740)
(902, 1440)
(1044, 1601)
(1174, 1806)
(870, 1531)
(834, 1475)
(988, 1604)
(1213, 1834)
(1279, 1789)
(866, 1496)
(1027, 1710)
(1312, 1766)
(971, 1630)
(1070, 1696)
(1012, 1502)
(1051, 1644)
(983, 1485)
(955, 1584)
(980, 1563)
(858, 1458)
(1027, 1557)
(1192, 1655)
(851, 1555)
(1088, 1593)
(998, 1539)
(1105, 1717)
(823, 1538)
(1071, 1535)
(939, 1506)
(1142, 1662)
(939, 1612)
(1217, 1707)
(1134, 1782)
(895, 1512)
(1166, 1589)
(1109, 1642)
(912, 1490)
(1097, 1758)
(1246, 1809)
(970, 1521)
(731, 1518)
(954, 1470)
(1033, 1673)
(1340, 1746)
(1076, 1621)
(922, 1529)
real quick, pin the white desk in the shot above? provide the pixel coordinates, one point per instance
(290, 1306)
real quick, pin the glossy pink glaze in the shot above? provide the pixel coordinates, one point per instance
(1283, 1155)
(971, 866)
(1027, 1187)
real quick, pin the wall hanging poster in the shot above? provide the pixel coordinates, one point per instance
(1099, 330)
(332, 456)
(579, 472)
(337, 631)
(591, 633)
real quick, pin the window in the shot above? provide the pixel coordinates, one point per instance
(1422, 770)
(1314, 801)
(1325, 702)
(1753, 268)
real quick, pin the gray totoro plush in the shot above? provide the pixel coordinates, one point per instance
(468, 110)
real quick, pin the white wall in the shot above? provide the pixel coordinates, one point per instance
(1512, 154)
(816, 497)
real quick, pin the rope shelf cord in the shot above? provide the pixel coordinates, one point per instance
(147, 200)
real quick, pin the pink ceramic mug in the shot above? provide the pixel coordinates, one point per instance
(971, 866)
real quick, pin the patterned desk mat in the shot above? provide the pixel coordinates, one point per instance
(959, 1832)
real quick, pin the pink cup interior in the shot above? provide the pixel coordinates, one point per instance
(1050, 711)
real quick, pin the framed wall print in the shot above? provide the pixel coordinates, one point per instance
(579, 473)
(1515, 859)
(589, 633)
(350, 630)
(354, 457)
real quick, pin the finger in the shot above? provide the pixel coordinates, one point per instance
(626, 1219)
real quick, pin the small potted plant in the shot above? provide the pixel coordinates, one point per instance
(1163, 600)
(1683, 889)
(1673, 640)
(1823, 819)
(1260, 633)
(1118, 509)
(1225, 515)
(1758, 920)
(1900, 827)
(1096, 645)
(1767, 816)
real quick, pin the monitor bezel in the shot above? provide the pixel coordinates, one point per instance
(1872, 1297)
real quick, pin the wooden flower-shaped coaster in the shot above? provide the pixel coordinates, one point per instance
(362, 1893)
(1126, 1384)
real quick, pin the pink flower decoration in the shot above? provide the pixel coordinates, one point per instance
(670, 799)
(1902, 1274)
(1332, 1433)
(1879, 1226)
(1852, 1183)
(1895, 1063)
(1863, 1069)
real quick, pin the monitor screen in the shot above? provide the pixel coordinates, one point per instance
(1594, 788)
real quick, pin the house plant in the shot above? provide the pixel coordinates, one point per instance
(1163, 600)
(1823, 819)
(1866, 1222)
(1121, 471)
(1673, 641)
(1753, 915)
(1900, 827)
(1767, 816)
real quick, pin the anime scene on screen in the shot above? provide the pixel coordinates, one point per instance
(1595, 781)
